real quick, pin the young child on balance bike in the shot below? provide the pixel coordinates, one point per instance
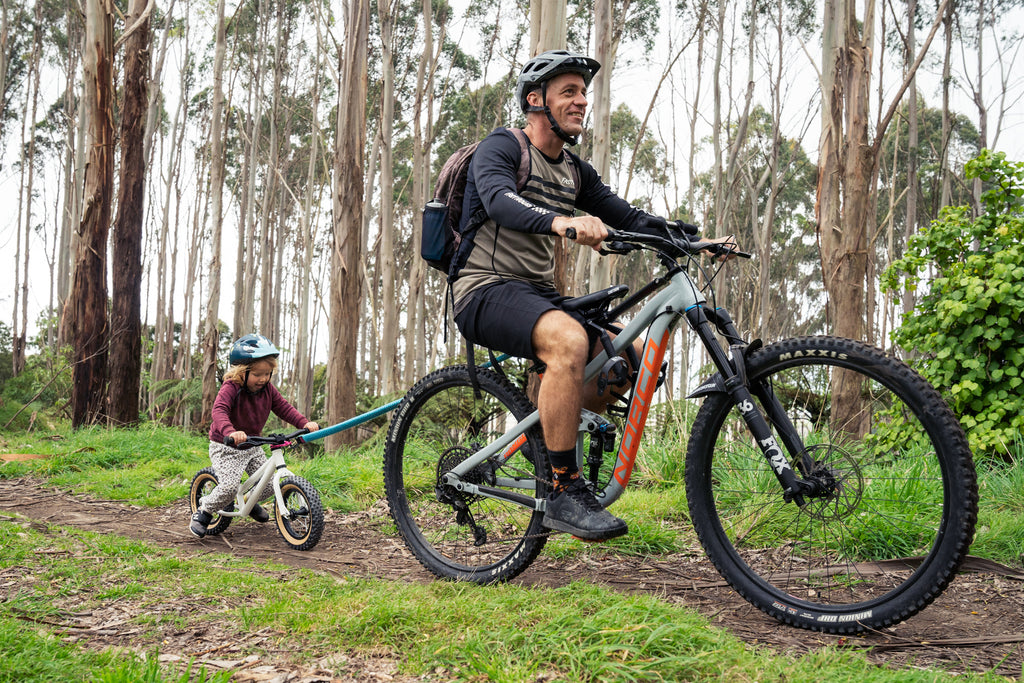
(242, 407)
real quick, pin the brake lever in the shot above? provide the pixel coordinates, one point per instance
(615, 247)
(719, 249)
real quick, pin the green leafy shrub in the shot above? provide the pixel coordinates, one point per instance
(967, 329)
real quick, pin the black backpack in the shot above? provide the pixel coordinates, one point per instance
(441, 238)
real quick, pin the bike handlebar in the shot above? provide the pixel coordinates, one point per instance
(661, 237)
(269, 439)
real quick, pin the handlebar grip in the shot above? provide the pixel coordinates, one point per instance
(229, 441)
(570, 233)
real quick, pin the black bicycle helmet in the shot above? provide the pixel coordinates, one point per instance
(250, 348)
(542, 68)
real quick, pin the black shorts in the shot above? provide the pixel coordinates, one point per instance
(502, 316)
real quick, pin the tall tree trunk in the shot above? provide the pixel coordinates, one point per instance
(388, 371)
(19, 327)
(346, 253)
(126, 322)
(88, 298)
(423, 134)
(74, 152)
(979, 97)
(4, 42)
(910, 226)
(210, 332)
(846, 177)
(268, 245)
(946, 176)
(601, 266)
(548, 32)
(303, 357)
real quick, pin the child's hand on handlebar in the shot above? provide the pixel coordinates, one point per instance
(238, 438)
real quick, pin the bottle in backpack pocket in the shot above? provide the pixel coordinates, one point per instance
(435, 224)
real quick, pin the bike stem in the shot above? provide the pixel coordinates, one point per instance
(735, 381)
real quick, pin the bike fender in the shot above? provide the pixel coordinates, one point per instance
(712, 385)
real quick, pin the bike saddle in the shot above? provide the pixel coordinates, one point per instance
(595, 300)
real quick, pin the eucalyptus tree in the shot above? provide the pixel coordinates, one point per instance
(847, 171)
(975, 21)
(346, 249)
(16, 36)
(25, 194)
(216, 216)
(126, 322)
(779, 294)
(88, 300)
(614, 23)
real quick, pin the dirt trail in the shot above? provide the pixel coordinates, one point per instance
(977, 624)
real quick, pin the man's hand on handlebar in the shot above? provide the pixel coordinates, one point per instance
(586, 230)
(726, 252)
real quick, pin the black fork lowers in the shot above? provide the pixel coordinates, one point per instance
(734, 378)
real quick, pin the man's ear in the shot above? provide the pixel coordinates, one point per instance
(534, 98)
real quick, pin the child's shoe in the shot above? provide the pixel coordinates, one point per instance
(259, 514)
(200, 520)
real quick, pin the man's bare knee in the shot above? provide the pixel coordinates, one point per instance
(559, 339)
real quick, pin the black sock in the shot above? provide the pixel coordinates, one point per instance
(564, 468)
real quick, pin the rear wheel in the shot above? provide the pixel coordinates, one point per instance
(203, 483)
(301, 522)
(443, 420)
(895, 505)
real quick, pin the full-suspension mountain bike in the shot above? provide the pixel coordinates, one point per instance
(827, 481)
(298, 512)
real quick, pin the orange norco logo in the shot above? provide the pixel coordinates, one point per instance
(654, 352)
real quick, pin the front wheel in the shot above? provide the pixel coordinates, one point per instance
(203, 483)
(301, 522)
(895, 495)
(456, 535)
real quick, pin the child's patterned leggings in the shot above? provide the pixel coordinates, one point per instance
(228, 464)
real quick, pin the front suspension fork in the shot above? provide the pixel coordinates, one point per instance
(734, 376)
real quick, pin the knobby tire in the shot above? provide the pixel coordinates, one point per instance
(303, 526)
(900, 506)
(441, 421)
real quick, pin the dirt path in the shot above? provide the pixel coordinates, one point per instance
(976, 625)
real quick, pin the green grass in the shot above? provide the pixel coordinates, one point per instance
(444, 631)
(465, 632)
(153, 465)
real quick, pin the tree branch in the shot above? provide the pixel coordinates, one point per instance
(883, 123)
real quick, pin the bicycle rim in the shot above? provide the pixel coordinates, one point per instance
(455, 535)
(896, 513)
(301, 523)
(203, 483)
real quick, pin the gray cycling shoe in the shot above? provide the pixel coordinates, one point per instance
(576, 511)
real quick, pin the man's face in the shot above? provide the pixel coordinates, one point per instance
(567, 99)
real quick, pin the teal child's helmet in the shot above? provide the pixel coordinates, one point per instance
(252, 347)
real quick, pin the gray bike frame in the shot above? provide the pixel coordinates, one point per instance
(659, 317)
